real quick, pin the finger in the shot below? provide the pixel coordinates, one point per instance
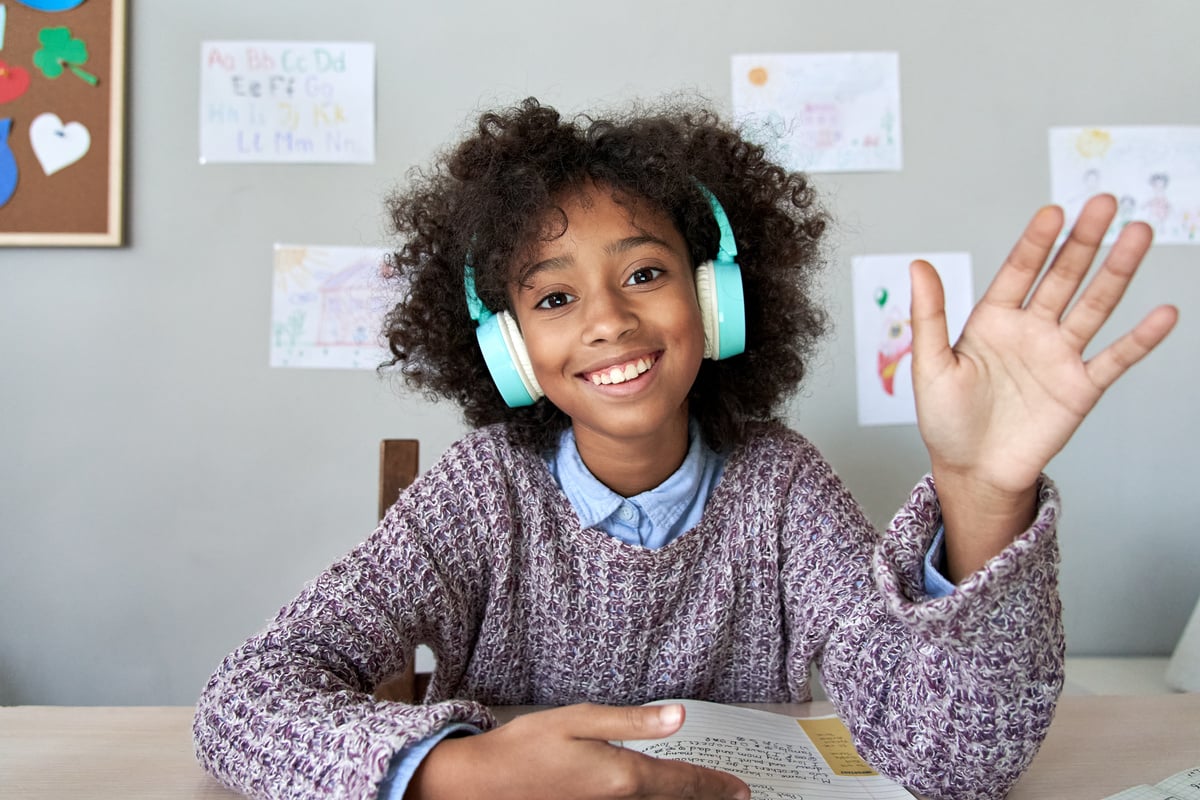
(1017, 274)
(930, 338)
(1112, 362)
(1106, 289)
(617, 723)
(1073, 260)
(651, 777)
(667, 778)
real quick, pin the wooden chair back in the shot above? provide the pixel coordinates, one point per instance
(398, 466)
(398, 463)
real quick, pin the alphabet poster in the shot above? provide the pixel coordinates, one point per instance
(61, 122)
(308, 102)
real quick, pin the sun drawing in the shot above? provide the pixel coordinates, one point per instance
(292, 268)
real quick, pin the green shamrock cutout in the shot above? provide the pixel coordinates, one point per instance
(60, 49)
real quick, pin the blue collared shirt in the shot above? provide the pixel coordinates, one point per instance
(653, 518)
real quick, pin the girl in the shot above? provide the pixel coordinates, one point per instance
(630, 521)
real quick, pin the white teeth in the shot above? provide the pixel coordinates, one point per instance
(622, 374)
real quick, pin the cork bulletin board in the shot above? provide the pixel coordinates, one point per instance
(61, 122)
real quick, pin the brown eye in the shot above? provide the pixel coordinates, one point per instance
(555, 300)
(644, 275)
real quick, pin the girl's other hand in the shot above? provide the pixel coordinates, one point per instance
(998, 405)
(564, 754)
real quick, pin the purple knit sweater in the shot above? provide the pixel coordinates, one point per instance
(483, 560)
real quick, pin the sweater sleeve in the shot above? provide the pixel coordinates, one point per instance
(950, 696)
(290, 713)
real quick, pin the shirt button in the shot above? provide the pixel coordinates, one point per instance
(626, 513)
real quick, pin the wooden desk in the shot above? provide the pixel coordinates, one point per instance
(1096, 747)
(1099, 745)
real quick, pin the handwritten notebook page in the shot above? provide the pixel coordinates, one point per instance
(774, 754)
(1180, 786)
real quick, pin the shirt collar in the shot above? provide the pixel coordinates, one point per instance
(664, 504)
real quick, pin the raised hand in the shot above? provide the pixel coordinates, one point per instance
(565, 753)
(998, 405)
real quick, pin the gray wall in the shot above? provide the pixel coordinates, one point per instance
(162, 492)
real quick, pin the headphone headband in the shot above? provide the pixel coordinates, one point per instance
(475, 307)
(727, 250)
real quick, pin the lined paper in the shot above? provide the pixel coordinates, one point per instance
(772, 753)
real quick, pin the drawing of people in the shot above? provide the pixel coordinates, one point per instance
(1158, 208)
(1089, 186)
(1126, 208)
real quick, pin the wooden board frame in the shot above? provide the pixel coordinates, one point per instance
(81, 204)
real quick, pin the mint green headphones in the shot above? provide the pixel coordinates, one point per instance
(722, 312)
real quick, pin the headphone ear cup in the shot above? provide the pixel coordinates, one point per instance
(507, 360)
(722, 308)
(520, 355)
(706, 295)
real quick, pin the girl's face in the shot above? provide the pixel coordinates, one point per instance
(610, 318)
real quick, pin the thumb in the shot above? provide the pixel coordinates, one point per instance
(930, 338)
(620, 723)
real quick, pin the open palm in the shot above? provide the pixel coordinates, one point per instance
(998, 405)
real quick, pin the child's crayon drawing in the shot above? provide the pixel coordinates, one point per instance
(327, 307)
(822, 112)
(894, 343)
(883, 329)
(1154, 172)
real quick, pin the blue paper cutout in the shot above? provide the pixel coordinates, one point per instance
(8, 164)
(52, 5)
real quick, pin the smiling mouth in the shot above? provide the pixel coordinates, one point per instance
(619, 373)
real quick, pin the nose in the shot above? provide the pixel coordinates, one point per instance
(608, 316)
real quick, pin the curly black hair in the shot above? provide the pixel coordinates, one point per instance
(488, 198)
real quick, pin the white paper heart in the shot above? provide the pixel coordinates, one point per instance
(57, 145)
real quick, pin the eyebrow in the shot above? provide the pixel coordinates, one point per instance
(633, 242)
(612, 248)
